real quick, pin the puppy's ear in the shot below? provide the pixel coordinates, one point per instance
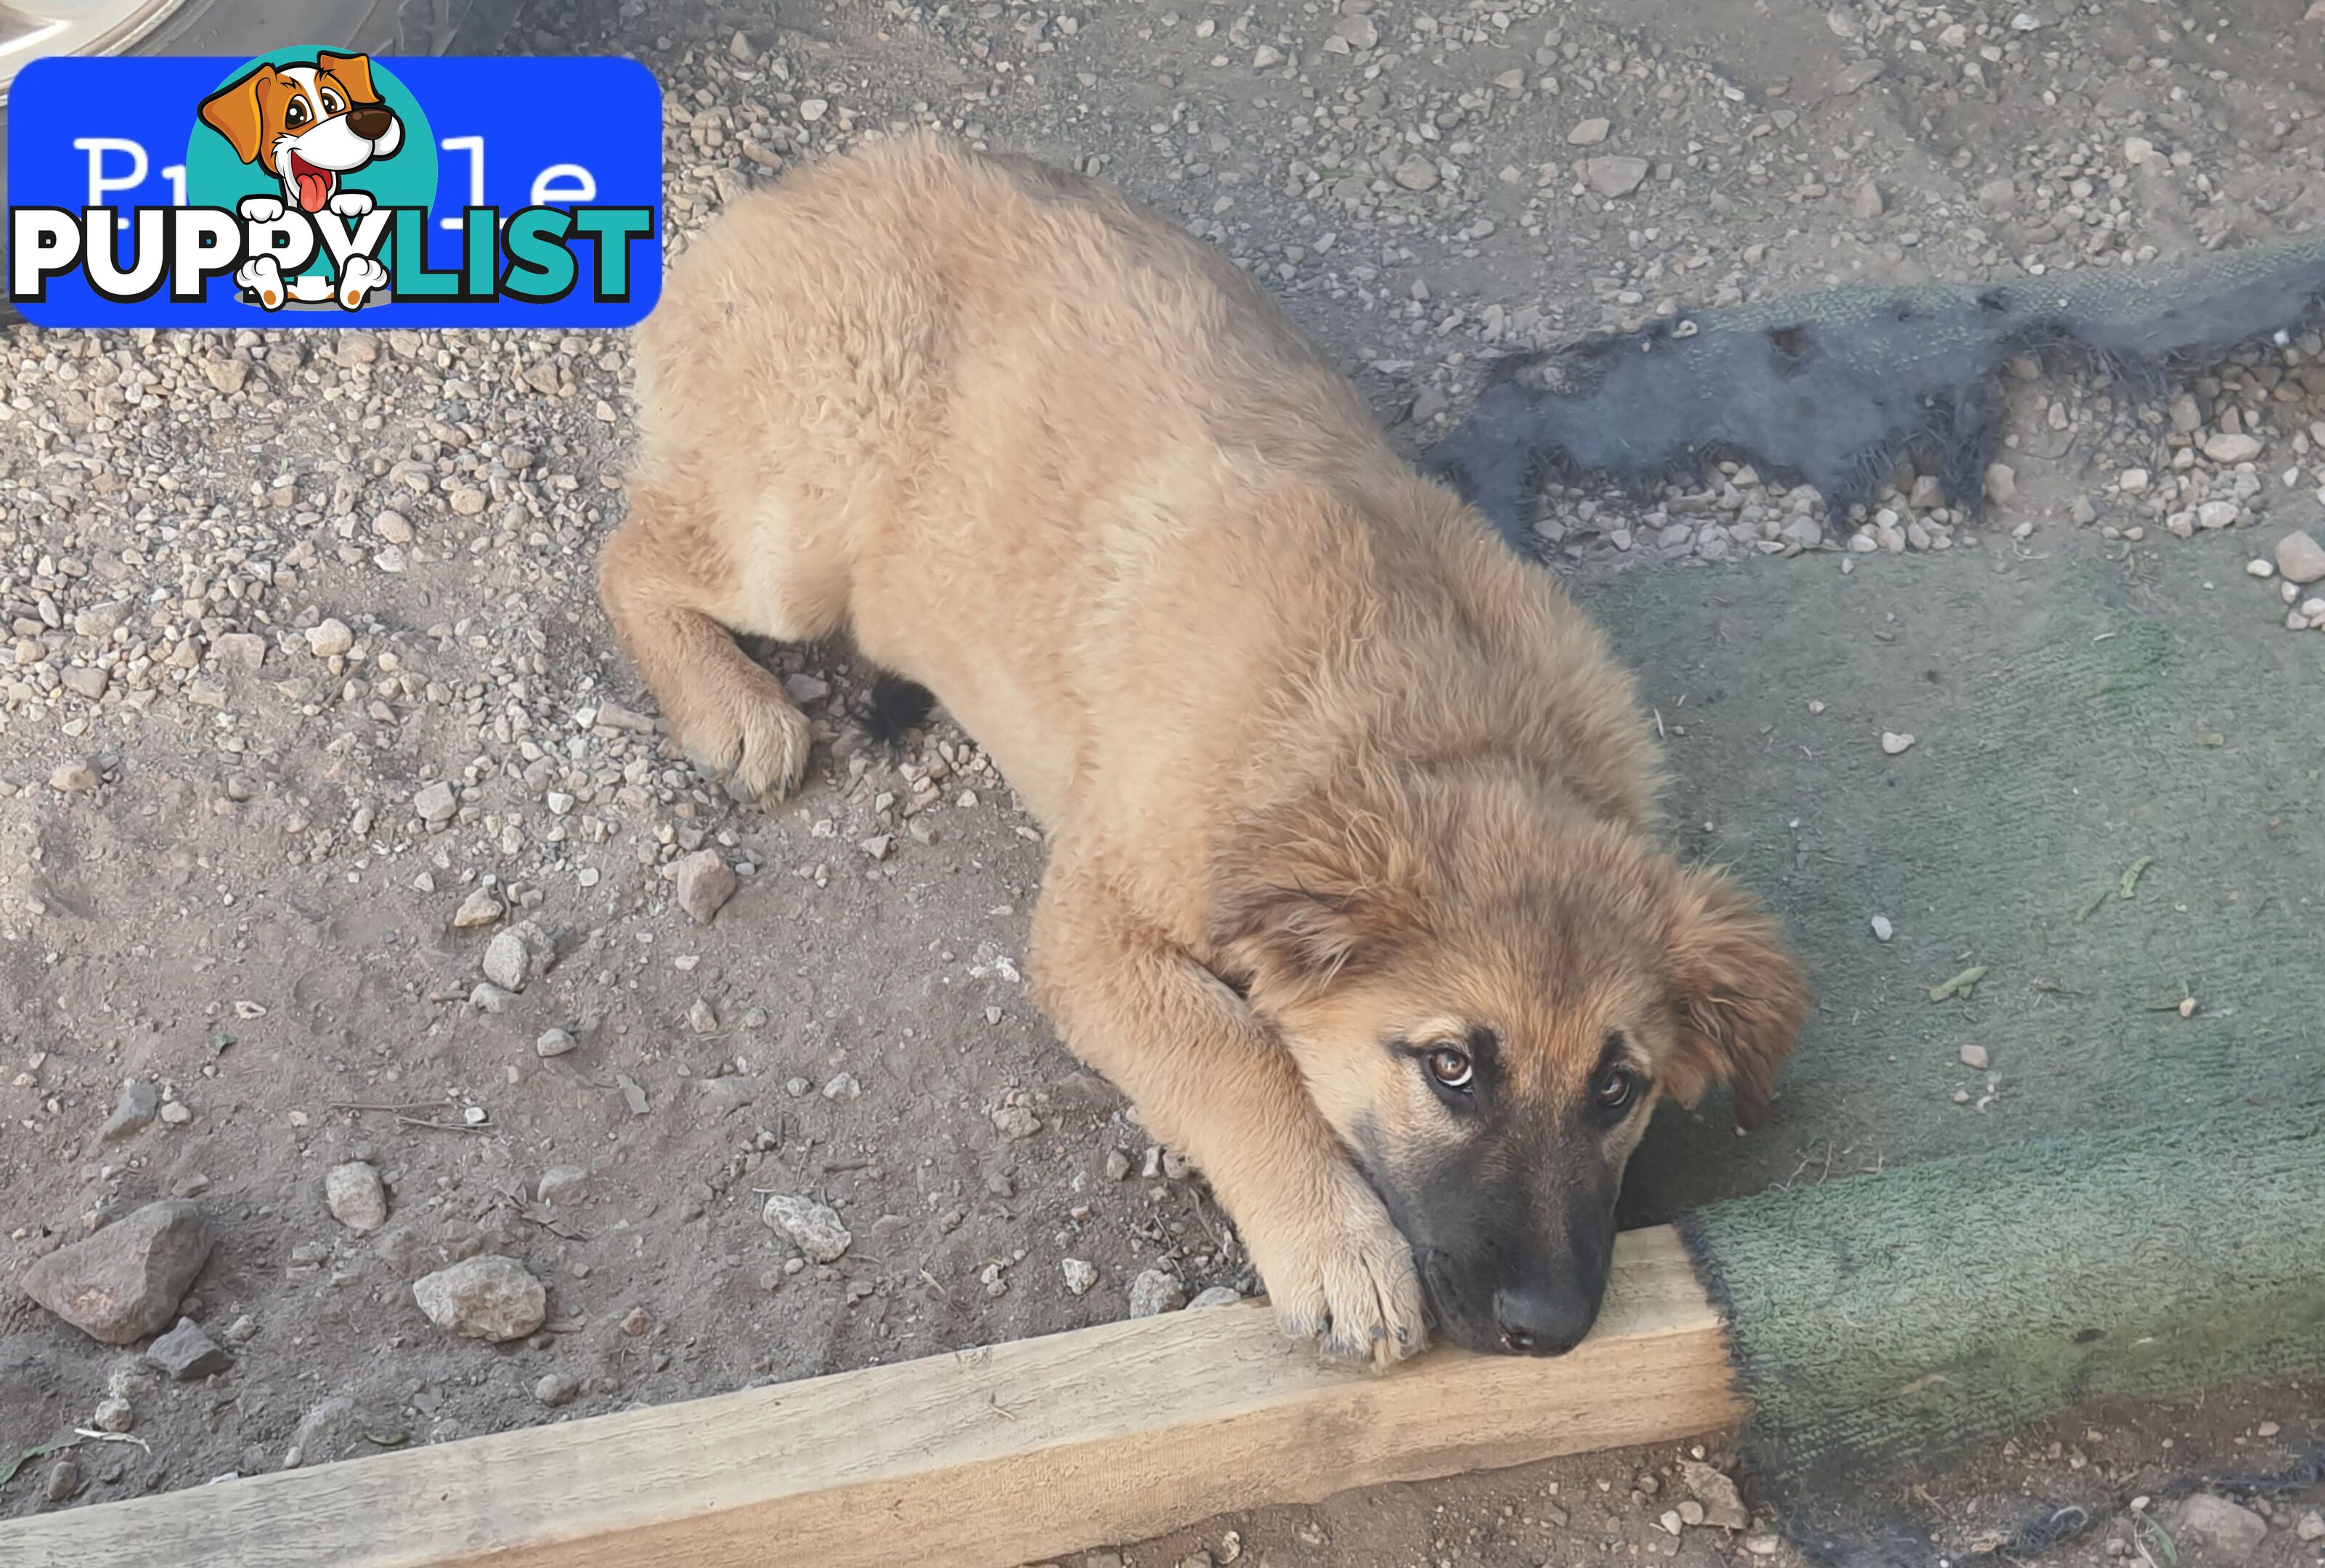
(1739, 996)
(353, 71)
(1292, 911)
(237, 112)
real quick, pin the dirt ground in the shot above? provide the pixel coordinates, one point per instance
(310, 700)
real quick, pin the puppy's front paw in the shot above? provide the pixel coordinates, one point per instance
(746, 730)
(351, 203)
(359, 277)
(1341, 1273)
(263, 279)
(260, 208)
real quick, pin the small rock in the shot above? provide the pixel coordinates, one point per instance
(486, 997)
(74, 778)
(1723, 1507)
(705, 883)
(1975, 1057)
(1588, 132)
(1882, 929)
(562, 1186)
(1866, 201)
(188, 1355)
(508, 962)
(1855, 77)
(1896, 744)
(1216, 1295)
(2260, 569)
(435, 803)
(331, 1430)
(1117, 1164)
(2224, 447)
(1016, 1121)
(1266, 57)
(329, 639)
(1417, 172)
(803, 688)
(2235, 1532)
(114, 1414)
(1154, 1293)
(1079, 1275)
(479, 910)
(485, 1297)
(2311, 1526)
(1615, 176)
(356, 1196)
(1761, 1545)
(139, 1103)
(124, 1282)
(2001, 483)
(555, 1042)
(556, 1390)
(813, 1228)
(85, 683)
(2301, 558)
(64, 1480)
(2217, 514)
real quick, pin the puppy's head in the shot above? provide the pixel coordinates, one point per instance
(1486, 1000)
(307, 125)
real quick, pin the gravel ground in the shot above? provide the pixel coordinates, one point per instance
(347, 891)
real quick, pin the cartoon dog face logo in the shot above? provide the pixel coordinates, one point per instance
(307, 125)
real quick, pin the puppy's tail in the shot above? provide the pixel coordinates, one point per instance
(896, 706)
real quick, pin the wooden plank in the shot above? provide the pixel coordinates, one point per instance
(982, 1458)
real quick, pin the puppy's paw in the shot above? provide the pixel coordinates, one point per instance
(260, 208)
(748, 732)
(1342, 1274)
(358, 277)
(263, 278)
(351, 203)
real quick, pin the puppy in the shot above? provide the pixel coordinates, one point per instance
(308, 125)
(1350, 887)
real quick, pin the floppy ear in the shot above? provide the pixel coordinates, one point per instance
(236, 113)
(1739, 996)
(354, 71)
(1290, 914)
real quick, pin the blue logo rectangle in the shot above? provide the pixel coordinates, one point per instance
(311, 188)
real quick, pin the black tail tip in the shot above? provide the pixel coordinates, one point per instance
(896, 706)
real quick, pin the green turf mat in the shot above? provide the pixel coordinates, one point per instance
(2123, 1199)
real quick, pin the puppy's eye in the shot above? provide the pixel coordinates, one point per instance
(1617, 1088)
(331, 104)
(296, 114)
(1451, 1066)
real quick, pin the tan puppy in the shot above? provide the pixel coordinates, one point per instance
(1349, 889)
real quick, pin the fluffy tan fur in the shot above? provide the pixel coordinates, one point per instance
(1320, 758)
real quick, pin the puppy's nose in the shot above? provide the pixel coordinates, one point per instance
(370, 121)
(1543, 1319)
